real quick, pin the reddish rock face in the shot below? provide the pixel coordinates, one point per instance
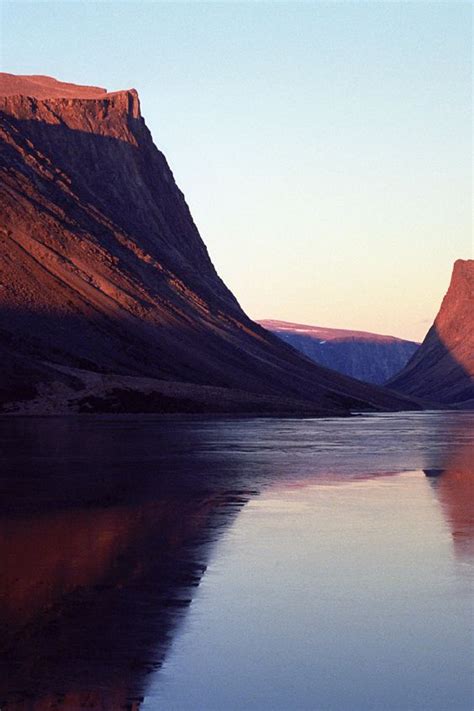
(105, 283)
(43, 87)
(442, 370)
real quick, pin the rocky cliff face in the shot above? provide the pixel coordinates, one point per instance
(367, 356)
(442, 370)
(108, 297)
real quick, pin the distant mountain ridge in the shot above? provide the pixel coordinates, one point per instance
(442, 370)
(108, 298)
(370, 357)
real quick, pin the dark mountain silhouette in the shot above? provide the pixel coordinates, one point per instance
(108, 297)
(370, 357)
(442, 370)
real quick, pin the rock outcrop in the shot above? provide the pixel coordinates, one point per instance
(108, 297)
(370, 357)
(442, 370)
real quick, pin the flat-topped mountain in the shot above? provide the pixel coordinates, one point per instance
(108, 297)
(442, 370)
(367, 356)
(42, 87)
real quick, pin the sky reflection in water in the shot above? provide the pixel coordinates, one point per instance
(184, 563)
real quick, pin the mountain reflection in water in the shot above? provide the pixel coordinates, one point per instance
(107, 526)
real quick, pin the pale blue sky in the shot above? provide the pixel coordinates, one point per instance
(324, 148)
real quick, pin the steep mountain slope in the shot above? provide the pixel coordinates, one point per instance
(108, 298)
(366, 356)
(442, 370)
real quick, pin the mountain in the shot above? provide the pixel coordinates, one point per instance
(442, 370)
(366, 356)
(108, 298)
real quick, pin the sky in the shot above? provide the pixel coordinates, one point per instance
(324, 148)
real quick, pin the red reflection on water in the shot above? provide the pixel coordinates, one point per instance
(89, 599)
(454, 486)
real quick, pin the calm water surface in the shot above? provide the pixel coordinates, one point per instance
(220, 564)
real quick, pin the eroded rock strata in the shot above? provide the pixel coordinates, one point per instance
(108, 297)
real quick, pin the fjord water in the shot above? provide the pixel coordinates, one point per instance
(197, 563)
